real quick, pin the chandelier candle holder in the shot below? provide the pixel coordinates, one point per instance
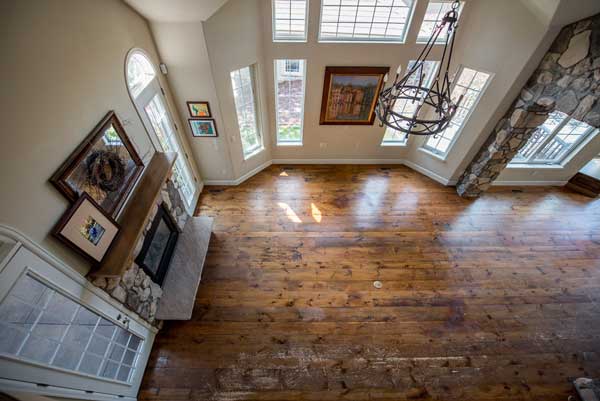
(413, 88)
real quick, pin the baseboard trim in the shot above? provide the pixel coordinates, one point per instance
(429, 173)
(243, 178)
(338, 161)
(529, 183)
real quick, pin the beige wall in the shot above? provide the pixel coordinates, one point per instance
(62, 71)
(234, 40)
(182, 47)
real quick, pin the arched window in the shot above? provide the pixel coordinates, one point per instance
(150, 103)
(139, 73)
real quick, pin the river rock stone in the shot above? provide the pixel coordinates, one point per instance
(579, 47)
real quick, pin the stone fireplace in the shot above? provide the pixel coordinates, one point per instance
(136, 289)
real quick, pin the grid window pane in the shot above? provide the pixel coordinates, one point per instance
(469, 84)
(41, 325)
(242, 83)
(436, 10)
(289, 94)
(406, 107)
(365, 20)
(290, 20)
(554, 140)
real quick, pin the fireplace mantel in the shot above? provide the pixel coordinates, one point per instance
(134, 218)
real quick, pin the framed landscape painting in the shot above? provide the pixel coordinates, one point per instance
(350, 95)
(203, 128)
(199, 109)
(105, 166)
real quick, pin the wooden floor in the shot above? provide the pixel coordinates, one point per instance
(492, 299)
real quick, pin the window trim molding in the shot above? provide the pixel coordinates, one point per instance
(444, 156)
(289, 39)
(275, 76)
(253, 68)
(402, 41)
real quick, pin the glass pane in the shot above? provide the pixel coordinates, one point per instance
(41, 325)
(289, 19)
(163, 128)
(139, 73)
(290, 100)
(245, 105)
(364, 20)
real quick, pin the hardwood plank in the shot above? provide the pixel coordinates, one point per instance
(492, 299)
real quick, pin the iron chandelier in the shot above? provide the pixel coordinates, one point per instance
(414, 88)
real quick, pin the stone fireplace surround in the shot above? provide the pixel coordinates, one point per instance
(134, 288)
(567, 80)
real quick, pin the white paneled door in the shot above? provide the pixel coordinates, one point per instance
(56, 332)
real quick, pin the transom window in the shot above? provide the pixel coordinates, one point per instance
(436, 10)
(290, 19)
(470, 83)
(290, 77)
(365, 20)
(139, 73)
(554, 140)
(244, 88)
(394, 137)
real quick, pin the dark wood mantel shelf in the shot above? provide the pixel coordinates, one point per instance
(134, 218)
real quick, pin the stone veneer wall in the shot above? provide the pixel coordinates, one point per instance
(135, 289)
(567, 80)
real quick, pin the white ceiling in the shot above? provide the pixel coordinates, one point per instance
(176, 10)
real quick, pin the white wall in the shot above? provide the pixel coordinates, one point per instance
(62, 71)
(182, 47)
(234, 40)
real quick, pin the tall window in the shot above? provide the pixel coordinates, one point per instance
(290, 77)
(471, 84)
(290, 18)
(244, 88)
(436, 10)
(365, 20)
(554, 140)
(393, 137)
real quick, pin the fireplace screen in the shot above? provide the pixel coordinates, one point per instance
(158, 246)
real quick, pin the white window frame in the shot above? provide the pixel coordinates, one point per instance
(572, 150)
(428, 83)
(289, 38)
(442, 38)
(276, 75)
(256, 101)
(443, 155)
(402, 40)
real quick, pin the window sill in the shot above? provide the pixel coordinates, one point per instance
(289, 143)
(380, 42)
(517, 166)
(394, 144)
(433, 154)
(290, 40)
(253, 153)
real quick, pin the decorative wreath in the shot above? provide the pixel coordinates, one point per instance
(105, 169)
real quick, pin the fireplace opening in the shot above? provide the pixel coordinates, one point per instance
(158, 246)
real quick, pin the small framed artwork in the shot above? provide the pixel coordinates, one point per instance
(350, 95)
(199, 109)
(105, 166)
(203, 128)
(87, 229)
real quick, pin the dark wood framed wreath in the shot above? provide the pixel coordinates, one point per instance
(105, 166)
